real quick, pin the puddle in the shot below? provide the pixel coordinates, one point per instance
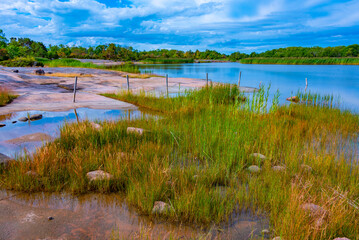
(50, 125)
(102, 216)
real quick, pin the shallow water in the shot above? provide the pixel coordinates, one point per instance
(50, 124)
(103, 216)
(339, 80)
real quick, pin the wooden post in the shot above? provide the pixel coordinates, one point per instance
(77, 117)
(128, 83)
(167, 84)
(75, 87)
(207, 78)
(239, 79)
(306, 84)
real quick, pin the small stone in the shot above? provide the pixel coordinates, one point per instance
(254, 169)
(15, 71)
(341, 238)
(278, 168)
(23, 119)
(313, 209)
(293, 99)
(258, 155)
(306, 168)
(98, 175)
(14, 122)
(277, 238)
(161, 207)
(2, 125)
(51, 218)
(35, 117)
(31, 173)
(49, 72)
(39, 72)
(138, 131)
(95, 126)
(265, 233)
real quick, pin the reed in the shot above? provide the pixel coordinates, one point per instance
(196, 155)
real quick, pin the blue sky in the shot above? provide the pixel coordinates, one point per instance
(223, 25)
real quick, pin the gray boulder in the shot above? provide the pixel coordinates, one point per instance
(39, 72)
(278, 168)
(134, 130)
(35, 116)
(314, 210)
(161, 207)
(254, 169)
(95, 126)
(258, 155)
(98, 175)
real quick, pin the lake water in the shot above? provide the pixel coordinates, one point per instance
(340, 80)
(50, 124)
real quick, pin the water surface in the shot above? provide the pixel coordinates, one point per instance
(340, 80)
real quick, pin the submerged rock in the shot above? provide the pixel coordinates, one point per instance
(161, 207)
(98, 175)
(258, 155)
(138, 131)
(23, 119)
(254, 169)
(36, 117)
(2, 125)
(293, 99)
(278, 168)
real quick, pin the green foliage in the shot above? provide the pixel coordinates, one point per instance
(22, 62)
(6, 96)
(302, 61)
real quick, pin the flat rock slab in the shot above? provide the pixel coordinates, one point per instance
(35, 137)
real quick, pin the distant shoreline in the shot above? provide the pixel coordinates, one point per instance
(301, 61)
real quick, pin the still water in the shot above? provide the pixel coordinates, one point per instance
(340, 80)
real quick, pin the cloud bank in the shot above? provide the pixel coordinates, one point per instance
(223, 25)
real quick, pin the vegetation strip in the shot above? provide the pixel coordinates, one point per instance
(212, 154)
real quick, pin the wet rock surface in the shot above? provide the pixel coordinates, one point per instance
(100, 216)
(35, 137)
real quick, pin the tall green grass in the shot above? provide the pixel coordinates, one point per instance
(6, 96)
(302, 61)
(22, 62)
(195, 157)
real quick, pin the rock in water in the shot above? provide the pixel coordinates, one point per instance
(14, 122)
(161, 207)
(36, 117)
(138, 131)
(23, 119)
(39, 72)
(2, 125)
(293, 99)
(98, 175)
(4, 160)
(254, 169)
(258, 155)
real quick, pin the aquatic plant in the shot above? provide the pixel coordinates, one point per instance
(196, 157)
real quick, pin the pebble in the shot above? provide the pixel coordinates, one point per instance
(98, 175)
(2, 125)
(138, 131)
(258, 155)
(278, 168)
(277, 238)
(95, 126)
(51, 218)
(161, 207)
(254, 169)
(23, 119)
(341, 238)
(14, 122)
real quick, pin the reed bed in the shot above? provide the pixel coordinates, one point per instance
(302, 61)
(6, 96)
(196, 158)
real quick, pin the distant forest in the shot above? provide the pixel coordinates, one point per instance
(25, 47)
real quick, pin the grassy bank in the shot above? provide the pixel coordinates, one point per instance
(302, 61)
(196, 158)
(6, 96)
(168, 60)
(67, 62)
(22, 62)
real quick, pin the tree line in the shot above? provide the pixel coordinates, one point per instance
(24, 47)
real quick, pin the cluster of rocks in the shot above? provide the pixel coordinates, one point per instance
(24, 119)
